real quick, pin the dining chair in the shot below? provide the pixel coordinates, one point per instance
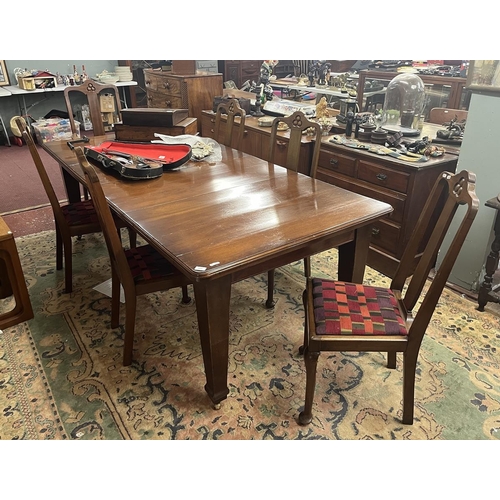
(446, 115)
(71, 219)
(347, 317)
(139, 270)
(230, 109)
(297, 124)
(93, 92)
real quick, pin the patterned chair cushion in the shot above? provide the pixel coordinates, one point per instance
(146, 263)
(80, 212)
(342, 308)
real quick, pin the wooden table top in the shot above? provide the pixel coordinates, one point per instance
(213, 218)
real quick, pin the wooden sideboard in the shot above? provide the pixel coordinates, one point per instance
(256, 139)
(405, 185)
(192, 92)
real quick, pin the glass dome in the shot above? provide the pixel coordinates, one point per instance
(403, 105)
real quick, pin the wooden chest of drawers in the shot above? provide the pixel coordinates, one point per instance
(192, 92)
(404, 185)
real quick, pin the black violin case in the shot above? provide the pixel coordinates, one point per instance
(138, 160)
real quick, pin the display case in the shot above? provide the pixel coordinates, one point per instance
(441, 91)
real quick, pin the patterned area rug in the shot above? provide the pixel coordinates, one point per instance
(61, 375)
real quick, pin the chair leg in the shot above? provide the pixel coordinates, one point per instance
(130, 311)
(270, 289)
(311, 360)
(391, 359)
(59, 250)
(409, 370)
(115, 299)
(68, 264)
(186, 299)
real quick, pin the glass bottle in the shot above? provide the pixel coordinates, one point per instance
(84, 74)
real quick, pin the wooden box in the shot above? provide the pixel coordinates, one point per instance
(138, 133)
(153, 117)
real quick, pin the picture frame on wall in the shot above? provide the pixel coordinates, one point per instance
(484, 75)
(4, 76)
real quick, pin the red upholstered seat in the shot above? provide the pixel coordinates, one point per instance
(146, 263)
(342, 308)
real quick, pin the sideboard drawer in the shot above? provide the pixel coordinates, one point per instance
(337, 162)
(396, 200)
(386, 236)
(160, 100)
(378, 175)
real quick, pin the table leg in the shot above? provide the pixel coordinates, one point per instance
(212, 308)
(353, 256)
(72, 187)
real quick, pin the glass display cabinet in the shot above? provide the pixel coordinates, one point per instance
(441, 91)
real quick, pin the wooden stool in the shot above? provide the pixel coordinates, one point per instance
(12, 280)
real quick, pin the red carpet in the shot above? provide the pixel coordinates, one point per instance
(21, 186)
(24, 205)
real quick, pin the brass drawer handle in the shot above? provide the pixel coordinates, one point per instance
(168, 104)
(334, 162)
(166, 85)
(381, 177)
(148, 83)
(281, 144)
(375, 231)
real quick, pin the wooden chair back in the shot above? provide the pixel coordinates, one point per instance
(93, 91)
(231, 109)
(445, 115)
(109, 230)
(47, 185)
(449, 192)
(297, 123)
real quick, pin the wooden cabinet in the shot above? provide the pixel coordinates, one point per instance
(404, 185)
(240, 71)
(192, 92)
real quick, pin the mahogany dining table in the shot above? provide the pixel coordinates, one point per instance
(224, 221)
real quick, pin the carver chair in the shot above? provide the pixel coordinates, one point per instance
(93, 92)
(71, 219)
(342, 316)
(298, 123)
(231, 109)
(140, 270)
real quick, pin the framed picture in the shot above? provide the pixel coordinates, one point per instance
(4, 76)
(484, 75)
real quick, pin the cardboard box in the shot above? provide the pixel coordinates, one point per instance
(107, 102)
(54, 129)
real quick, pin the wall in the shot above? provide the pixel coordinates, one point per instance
(41, 104)
(479, 153)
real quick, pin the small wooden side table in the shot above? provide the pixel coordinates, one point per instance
(12, 280)
(487, 290)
